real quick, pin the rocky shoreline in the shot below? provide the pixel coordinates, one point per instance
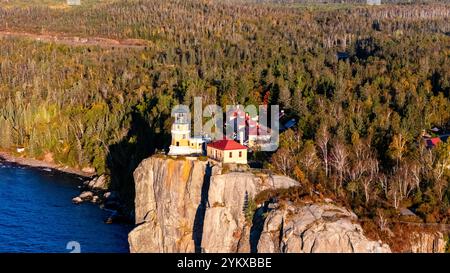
(96, 191)
(94, 188)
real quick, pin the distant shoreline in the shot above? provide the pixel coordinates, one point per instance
(7, 158)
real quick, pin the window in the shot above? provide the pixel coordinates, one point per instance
(240, 153)
(184, 136)
(231, 154)
(178, 143)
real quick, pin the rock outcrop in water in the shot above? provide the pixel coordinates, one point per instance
(187, 205)
(92, 190)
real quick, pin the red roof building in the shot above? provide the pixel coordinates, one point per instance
(258, 130)
(226, 144)
(227, 151)
(432, 142)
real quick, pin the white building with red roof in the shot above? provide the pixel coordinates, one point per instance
(227, 151)
(257, 134)
(248, 131)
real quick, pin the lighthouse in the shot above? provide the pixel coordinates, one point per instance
(181, 132)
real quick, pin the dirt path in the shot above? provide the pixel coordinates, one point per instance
(77, 41)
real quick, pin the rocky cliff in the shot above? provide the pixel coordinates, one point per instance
(427, 242)
(188, 205)
(226, 228)
(185, 205)
(315, 228)
(169, 205)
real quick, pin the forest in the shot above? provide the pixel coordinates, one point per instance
(361, 118)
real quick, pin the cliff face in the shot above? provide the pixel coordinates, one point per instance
(313, 229)
(168, 204)
(191, 206)
(225, 228)
(426, 242)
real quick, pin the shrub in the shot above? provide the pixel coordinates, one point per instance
(203, 158)
(249, 210)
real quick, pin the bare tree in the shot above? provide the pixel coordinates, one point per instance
(409, 182)
(371, 173)
(384, 184)
(403, 183)
(322, 140)
(441, 166)
(395, 190)
(416, 173)
(363, 167)
(283, 161)
(338, 160)
(382, 221)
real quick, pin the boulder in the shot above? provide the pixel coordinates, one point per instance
(95, 199)
(77, 200)
(86, 195)
(98, 183)
(111, 195)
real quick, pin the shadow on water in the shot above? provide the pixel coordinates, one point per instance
(201, 210)
(124, 157)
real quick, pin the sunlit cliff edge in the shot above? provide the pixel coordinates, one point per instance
(185, 205)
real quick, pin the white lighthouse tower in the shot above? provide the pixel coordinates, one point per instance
(181, 132)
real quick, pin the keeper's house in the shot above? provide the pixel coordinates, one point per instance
(227, 151)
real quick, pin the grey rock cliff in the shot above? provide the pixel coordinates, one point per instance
(225, 227)
(315, 228)
(189, 206)
(168, 197)
(184, 205)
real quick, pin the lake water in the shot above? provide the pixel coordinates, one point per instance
(37, 215)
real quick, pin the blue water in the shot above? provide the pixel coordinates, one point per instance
(37, 215)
